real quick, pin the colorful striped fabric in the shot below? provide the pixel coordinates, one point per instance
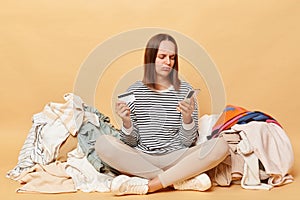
(237, 115)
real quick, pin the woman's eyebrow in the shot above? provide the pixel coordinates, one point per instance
(164, 53)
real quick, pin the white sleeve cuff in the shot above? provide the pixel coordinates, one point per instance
(127, 131)
(188, 126)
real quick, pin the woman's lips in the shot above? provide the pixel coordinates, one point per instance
(166, 68)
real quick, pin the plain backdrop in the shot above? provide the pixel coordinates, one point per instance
(254, 45)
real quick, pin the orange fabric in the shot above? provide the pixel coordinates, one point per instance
(229, 113)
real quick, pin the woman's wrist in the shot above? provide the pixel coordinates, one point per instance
(188, 126)
(187, 120)
(127, 124)
(127, 131)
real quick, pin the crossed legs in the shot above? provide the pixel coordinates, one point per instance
(187, 164)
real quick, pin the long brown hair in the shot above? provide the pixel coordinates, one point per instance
(149, 62)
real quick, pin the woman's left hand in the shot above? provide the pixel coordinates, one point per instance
(186, 107)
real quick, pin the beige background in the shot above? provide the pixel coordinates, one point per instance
(254, 44)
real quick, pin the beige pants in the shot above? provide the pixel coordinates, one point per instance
(169, 168)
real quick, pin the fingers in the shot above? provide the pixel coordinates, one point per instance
(186, 107)
(120, 105)
(122, 109)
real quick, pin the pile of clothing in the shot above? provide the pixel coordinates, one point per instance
(58, 154)
(261, 154)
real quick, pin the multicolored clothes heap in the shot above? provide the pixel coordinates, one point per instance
(237, 115)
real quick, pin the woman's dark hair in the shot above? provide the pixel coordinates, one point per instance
(149, 62)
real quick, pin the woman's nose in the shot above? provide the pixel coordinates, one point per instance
(167, 60)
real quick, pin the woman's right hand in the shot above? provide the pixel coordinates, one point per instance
(123, 112)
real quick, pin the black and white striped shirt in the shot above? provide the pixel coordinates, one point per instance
(157, 125)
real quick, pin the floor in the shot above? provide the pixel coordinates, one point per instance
(10, 144)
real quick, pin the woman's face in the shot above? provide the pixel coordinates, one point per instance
(165, 59)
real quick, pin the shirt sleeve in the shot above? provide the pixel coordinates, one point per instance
(130, 136)
(188, 126)
(127, 131)
(189, 132)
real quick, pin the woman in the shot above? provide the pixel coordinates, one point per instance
(159, 131)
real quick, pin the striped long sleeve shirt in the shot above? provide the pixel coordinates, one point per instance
(157, 125)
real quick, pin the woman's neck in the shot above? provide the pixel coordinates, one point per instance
(162, 83)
